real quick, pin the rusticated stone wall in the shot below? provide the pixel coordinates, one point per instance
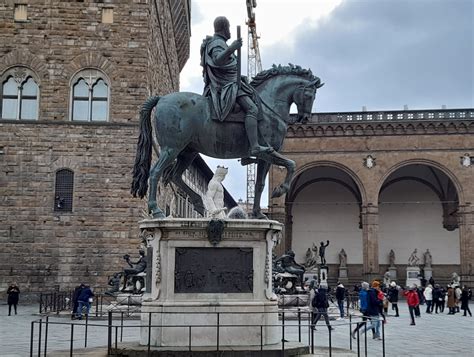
(43, 249)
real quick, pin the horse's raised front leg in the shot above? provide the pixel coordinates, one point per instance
(262, 171)
(167, 156)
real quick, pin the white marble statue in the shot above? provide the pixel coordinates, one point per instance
(214, 197)
(342, 258)
(455, 280)
(311, 257)
(428, 259)
(413, 260)
(391, 258)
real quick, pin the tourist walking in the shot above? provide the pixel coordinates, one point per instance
(363, 304)
(421, 301)
(413, 301)
(465, 301)
(320, 307)
(392, 296)
(340, 296)
(84, 300)
(13, 293)
(428, 294)
(374, 306)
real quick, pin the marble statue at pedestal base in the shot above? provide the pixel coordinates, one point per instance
(413, 276)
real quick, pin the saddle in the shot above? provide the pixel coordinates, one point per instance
(235, 116)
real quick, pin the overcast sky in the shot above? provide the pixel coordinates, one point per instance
(381, 54)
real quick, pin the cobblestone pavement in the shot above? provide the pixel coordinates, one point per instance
(433, 335)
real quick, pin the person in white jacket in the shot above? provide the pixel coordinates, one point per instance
(428, 294)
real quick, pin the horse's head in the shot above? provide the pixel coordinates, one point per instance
(304, 96)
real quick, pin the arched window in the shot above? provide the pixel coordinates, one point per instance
(90, 96)
(64, 190)
(19, 94)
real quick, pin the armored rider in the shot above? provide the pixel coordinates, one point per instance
(220, 71)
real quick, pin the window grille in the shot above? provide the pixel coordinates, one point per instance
(64, 190)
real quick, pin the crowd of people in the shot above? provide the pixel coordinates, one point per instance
(376, 298)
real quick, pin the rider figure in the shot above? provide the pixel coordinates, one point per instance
(220, 77)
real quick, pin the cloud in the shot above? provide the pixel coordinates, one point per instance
(384, 54)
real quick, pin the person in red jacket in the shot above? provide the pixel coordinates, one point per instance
(413, 301)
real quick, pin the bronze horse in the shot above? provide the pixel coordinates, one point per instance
(184, 127)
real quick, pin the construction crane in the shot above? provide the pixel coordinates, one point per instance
(254, 66)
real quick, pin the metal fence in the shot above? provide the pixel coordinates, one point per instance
(115, 326)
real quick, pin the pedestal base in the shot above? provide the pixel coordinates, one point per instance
(242, 323)
(323, 276)
(393, 273)
(413, 276)
(343, 277)
(428, 273)
(210, 283)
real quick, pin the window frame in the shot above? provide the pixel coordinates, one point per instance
(91, 76)
(20, 75)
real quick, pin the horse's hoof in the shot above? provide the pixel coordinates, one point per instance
(158, 214)
(259, 215)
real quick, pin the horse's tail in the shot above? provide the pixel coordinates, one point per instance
(141, 168)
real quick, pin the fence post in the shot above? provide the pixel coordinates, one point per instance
(149, 333)
(85, 333)
(121, 326)
(190, 337)
(31, 337)
(39, 336)
(41, 303)
(299, 325)
(283, 333)
(109, 333)
(218, 322)
(71, 346)
(350, 332)
(46, 336)
(383, 339)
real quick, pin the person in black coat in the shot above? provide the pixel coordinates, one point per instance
(392, 295)
(465, 301)
(320, 305)
(13, 293)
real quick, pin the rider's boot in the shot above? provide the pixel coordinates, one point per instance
(251, 126)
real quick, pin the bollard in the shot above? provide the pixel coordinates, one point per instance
(71, 346)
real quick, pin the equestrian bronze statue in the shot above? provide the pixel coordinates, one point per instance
(233, 119)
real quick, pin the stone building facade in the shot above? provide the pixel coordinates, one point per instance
(372, 182)
(73, 75)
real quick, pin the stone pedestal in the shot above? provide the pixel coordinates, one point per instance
(393, 272)
(343, 277)
(311, 274)
(202, 285)
(413, 273)
(323, 276)
(428, 273)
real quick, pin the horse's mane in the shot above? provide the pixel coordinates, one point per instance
(279, 70)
